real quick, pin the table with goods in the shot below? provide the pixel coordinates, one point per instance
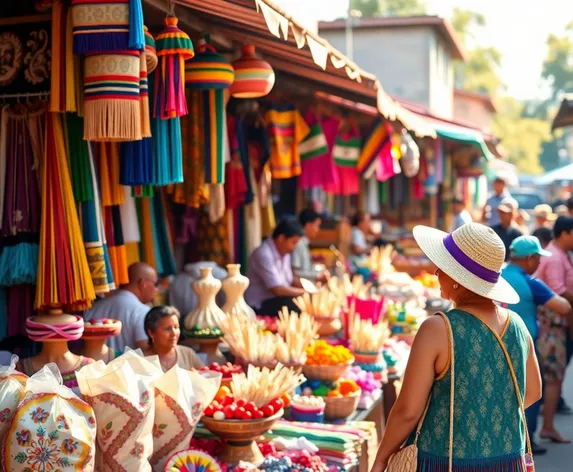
(297, 392)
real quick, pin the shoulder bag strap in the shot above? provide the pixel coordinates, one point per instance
(515, 385)
(452, 390)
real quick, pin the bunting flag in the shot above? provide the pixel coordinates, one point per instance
(376, 138)
(64, 279)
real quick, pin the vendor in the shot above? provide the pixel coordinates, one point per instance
(129, 305)
(273, 284)
(363, 237)
(301, 261)
(163, 331)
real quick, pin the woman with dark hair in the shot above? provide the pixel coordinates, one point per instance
(545, 236)
(162, 328)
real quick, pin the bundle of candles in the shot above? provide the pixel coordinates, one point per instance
(366, 336)
(252, 345)
(323, 304)
(345, 287)
(379, 260)
(261, 386)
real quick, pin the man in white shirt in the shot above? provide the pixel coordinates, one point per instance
(129, 305)
(301, 259)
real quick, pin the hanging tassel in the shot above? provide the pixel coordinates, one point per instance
(142, 191)
(136, 36)
(144, 96)
(213, 102)
(173, 48)
(58, 68)
(112, 109)
(136, 158)
(79, 157)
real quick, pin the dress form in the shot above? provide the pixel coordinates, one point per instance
(96, 349)
(234, 287)
(207, 314)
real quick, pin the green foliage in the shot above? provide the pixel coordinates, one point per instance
(558, 65)
(371, 8)
(522, 138)
(463, 22)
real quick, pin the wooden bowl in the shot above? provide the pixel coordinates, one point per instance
(328, 373)
(239, 437)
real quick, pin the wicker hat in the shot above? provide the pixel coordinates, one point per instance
(545, 211)
(472, 255)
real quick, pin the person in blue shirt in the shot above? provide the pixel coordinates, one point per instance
(525, 254)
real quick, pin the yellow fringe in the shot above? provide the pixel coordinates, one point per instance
(117, 190)
(144, 101)
(112, 120)
(56, 59)
(147, 252)
(132, 253)
(71, 105)
(83, 292)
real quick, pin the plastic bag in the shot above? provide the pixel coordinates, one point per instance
(12, 390)
(52, 428)
(121, 394)
(180, 398)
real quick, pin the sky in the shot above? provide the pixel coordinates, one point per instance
(517, 28)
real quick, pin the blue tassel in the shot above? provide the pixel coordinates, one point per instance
(136, 34)
(136, 164)
(19, 264)
(176, 161)
(164, 259)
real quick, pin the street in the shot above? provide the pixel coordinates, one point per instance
(559, 456)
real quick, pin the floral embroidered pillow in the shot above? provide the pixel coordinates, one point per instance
(50, 433)
(12, 391)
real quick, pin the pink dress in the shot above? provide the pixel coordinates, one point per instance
(346, 153)
(318, 169)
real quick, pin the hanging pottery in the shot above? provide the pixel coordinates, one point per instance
(207, 315)
(254, 77)
(234, 287)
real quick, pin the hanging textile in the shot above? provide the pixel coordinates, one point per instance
(63, 272)
(21, 206)
(287, 129)
(94, 236)
(20, 306)
(112, 108)
(192, 191)
(345, 153)
(213, 240)
(238, 188)
(167, 151)
(130, 227)
(156, 245)
(116, 244)
(376, 139)
(173, 48)
(214, 135)
(66, 76)
(318, 169)
(107, 25)
(259, 146)
(112, 192)
(150, 51)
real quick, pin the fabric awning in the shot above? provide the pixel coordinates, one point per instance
(562, 174)
(293, 51)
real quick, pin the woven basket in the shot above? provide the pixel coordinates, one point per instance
(329, 373)
(341, 407)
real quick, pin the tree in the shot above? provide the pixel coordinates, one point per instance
(480, 71)
(558, 65)
(372, 8)
(522, 138)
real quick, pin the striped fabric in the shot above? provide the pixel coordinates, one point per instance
(346, 151)
(314, 145)
(254, 77)
(150, 51)
(214, 135)
(377, 137)
(107, 25)
(111, 97)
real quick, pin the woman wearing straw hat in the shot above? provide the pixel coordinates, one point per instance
(475, 365)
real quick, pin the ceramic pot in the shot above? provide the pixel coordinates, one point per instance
(207, 314)
(234, 287)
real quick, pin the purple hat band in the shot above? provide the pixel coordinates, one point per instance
(465, 261)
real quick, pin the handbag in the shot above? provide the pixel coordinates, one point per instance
(406, 459)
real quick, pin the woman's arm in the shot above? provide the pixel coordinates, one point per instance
(532, 378)
(429, 355)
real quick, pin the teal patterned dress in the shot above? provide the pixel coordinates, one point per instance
(489, 433)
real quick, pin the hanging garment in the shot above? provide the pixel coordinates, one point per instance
(116, 244)
(21, 206)
(287, 129)
(318, 169)
(346, 153)
(376, 139)
(259, 146)
(239, 158)
(213, 240)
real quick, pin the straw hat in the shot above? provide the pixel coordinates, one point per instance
(472, 255)
(545, 211)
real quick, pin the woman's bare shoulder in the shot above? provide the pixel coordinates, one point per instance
(433, 333)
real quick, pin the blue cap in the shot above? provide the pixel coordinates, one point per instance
(525, 246)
